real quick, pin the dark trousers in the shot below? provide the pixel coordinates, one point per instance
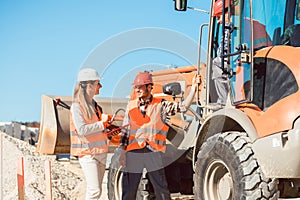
(136, 161)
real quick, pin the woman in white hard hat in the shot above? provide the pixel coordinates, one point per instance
(87, 123)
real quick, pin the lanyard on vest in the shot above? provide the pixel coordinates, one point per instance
(97, 109)
(144, 104)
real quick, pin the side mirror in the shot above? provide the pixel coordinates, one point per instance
(172, 89)
(180, 5)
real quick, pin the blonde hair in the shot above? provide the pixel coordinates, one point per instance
(81, 97)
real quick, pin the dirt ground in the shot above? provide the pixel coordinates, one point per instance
(68, 181)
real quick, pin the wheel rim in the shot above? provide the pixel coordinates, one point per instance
(218, 183)
(118, 184)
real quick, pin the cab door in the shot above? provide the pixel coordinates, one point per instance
(240, 55)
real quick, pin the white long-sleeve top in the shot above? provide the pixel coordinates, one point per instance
(81, 126)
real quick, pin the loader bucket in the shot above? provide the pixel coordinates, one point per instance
(54, 136)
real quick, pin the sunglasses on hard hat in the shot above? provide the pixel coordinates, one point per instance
(138, 86)
(95, 83)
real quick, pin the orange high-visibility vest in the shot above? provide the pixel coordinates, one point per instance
(92, 144)
(260, 35)
(148, 129)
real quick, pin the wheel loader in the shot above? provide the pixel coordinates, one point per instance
(247, 148)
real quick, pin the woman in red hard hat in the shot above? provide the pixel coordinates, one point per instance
(87, 123)
(144, 140)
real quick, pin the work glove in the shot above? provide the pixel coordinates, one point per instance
(105, 119)
(112, 130)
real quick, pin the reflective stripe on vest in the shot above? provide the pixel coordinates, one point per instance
(149, 129)
(90, 144)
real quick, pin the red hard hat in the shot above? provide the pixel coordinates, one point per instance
(218, 7)
(143, 78)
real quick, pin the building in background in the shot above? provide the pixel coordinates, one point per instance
(19, 131)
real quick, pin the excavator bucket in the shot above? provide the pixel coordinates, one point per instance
(54, 136)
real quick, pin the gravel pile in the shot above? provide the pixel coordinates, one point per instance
(67, 179)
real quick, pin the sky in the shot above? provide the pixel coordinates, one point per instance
(44, 43)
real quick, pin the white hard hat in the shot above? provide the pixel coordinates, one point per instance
(88, 74)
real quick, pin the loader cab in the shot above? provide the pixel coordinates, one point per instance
(251, 28)
(246, 34)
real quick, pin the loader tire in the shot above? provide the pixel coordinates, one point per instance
(226, 168)
(114, 182)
